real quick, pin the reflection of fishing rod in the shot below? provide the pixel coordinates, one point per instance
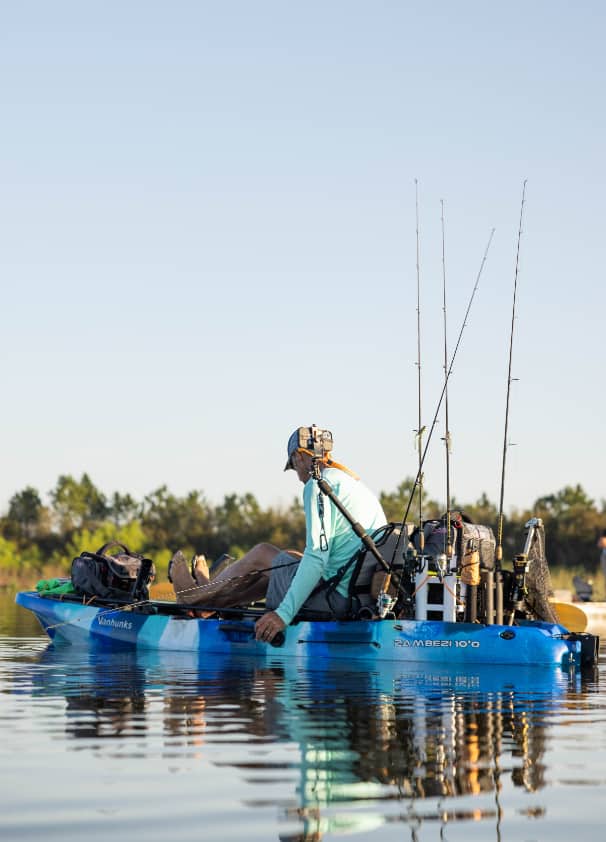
(499, 547)
(448, 549)
(446, 379)
(420, 428)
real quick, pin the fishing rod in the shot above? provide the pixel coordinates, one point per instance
(499, 548)
(446, 379)
(447, 538)
(420, 428)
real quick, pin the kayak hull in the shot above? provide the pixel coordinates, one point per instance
(399, 641)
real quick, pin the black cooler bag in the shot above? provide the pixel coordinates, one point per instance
(122, 576)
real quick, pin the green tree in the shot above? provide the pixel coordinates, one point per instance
(26, 517)
(123, 508)
(9, 558)
(239, 523)
(396, 503)
(570, 497)
(34, 537)
(16, 562)
(482, 511)
(178, 522)
(24, 508)
(77, 504)
(572, 524)
(131, 535)
(286, 528)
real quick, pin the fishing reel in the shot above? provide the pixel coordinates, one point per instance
(413, 562)
(385, 606)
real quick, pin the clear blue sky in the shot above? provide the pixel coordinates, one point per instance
(207, 238)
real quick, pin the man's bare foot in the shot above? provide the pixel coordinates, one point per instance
(199, 569)
(178, 559)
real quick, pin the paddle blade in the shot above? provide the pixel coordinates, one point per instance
(571, 616)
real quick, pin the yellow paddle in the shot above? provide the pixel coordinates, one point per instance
(571, 616)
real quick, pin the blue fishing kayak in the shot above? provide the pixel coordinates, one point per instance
(157, 626)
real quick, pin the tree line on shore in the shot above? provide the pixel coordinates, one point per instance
(40, 538)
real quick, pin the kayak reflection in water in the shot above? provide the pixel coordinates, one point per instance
(360, 738)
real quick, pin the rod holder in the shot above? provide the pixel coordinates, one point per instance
(471, 605)
(498, 591)
(489, 591)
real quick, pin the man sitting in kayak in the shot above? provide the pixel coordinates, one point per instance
(287, 579)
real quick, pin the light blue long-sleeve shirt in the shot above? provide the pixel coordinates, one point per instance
(321, 560)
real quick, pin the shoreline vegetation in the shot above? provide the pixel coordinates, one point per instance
(40, 539)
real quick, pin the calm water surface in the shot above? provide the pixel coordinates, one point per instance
(119, 746)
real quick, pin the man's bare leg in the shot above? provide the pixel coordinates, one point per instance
(243, 581)
(258, 559)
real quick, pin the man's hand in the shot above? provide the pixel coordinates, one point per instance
(268, 627)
